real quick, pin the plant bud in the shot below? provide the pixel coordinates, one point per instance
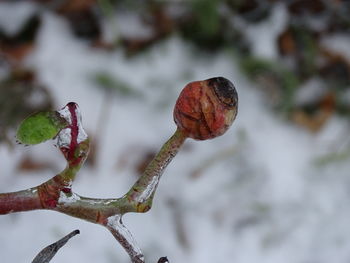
(206, 109)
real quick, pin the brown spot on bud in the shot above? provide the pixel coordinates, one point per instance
(206, 109)
(225, 90)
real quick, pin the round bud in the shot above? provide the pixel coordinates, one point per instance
(206, 109)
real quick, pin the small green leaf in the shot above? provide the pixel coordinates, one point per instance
(40, 127)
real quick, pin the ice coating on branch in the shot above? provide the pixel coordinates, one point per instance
(102, 201)
(64, 138)
(65, 113)
(149, 190)
(123, 235)
(68, 198)
(74, 133)
(82, 136)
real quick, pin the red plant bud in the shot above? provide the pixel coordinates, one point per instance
(206, 109)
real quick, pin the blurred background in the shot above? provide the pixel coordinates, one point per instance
(274, 188)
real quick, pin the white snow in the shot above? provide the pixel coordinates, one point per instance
(14, 15)
(339, 43)
(262, 36)
(267, 202)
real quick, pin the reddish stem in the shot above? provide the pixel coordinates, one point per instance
(25, 200)
(74, 130)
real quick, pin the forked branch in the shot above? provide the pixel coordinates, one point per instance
(204, 110)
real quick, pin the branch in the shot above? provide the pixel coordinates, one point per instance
(25, 200)
(142, 193)
(122, 234)
(204, 110)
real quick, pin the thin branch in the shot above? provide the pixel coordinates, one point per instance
(56, 194)
(124, 237)
(142, 193)
(215, 100)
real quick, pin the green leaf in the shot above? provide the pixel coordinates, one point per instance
(40, 127)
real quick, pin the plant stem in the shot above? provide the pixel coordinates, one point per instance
(140, 196)
(56, 194)
(19, 201)
(126, 240)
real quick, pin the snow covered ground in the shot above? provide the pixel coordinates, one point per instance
(261, 196)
